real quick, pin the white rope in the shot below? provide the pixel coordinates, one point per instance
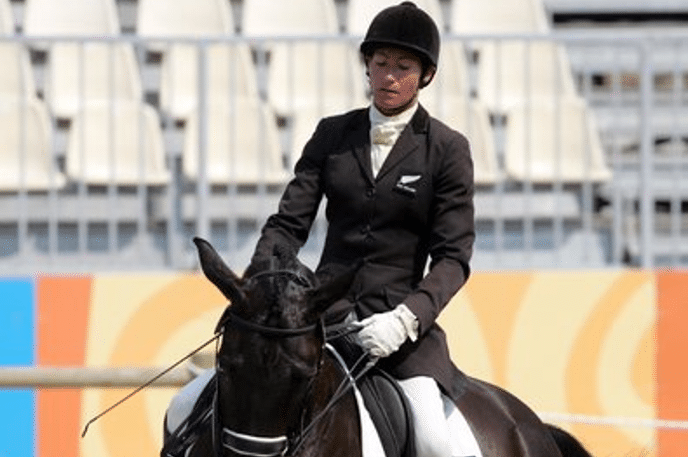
(619, 421)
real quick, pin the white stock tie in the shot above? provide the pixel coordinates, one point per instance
(383, 134)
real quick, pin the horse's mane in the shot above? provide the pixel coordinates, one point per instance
(282, 257)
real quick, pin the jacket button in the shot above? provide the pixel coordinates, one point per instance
(370, 193)
(365, 229)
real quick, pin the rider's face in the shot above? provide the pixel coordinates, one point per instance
(394, 79)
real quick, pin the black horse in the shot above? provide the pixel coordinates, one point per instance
(277, 390)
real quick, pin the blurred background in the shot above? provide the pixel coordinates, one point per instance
(129, 126)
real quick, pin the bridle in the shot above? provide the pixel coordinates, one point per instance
(260, 446)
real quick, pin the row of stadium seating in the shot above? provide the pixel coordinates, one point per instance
(262, 17)
(97, 85)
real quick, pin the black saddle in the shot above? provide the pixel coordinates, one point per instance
(386, 403)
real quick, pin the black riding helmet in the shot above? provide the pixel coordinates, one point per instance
(408, 27)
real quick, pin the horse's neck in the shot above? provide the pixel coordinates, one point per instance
(332, 416)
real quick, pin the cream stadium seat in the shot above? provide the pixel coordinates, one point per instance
(242, 144)
(71, 18)
(498, 16)
(510, 71)
(267, 18)
(323, 75)
(117, 143)
(229, 70)
(470, 117)
(183, 18)
(361, 12)
(6, 18)
(16, 76)
(26, 156)
(549, 142)
(81, 72)
(88, 72)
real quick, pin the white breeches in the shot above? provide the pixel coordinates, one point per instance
(440, 428)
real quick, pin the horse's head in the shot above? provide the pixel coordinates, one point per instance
(273, 339)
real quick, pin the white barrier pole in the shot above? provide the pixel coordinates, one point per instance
(615, 421)
(88, 377)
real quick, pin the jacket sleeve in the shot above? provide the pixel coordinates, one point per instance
(299, 204)
(452, 232)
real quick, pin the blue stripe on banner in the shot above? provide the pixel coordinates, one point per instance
(17, 413)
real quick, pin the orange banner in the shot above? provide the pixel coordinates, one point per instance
(672, 369)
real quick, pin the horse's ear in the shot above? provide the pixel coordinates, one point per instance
(217, 271)
(333, 286)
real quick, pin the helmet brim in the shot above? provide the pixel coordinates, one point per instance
(368, 47)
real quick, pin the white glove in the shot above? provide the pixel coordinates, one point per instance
(383, 333)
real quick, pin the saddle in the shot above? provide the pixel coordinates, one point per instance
(386, 403)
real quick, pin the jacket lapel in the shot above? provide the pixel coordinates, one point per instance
(359, 138)
(409, 140)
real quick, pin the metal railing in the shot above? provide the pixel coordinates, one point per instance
(633, 88)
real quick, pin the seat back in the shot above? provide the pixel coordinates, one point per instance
(6, 18)
(324, 75)
(71, 17)
(26, 157)
(165, 18)
(16, 76)
(510, 72)
(498, 16)
(116, 143)
(242, 144)
(84, 73)
(229, 70)
(289, 17)
(549, 142)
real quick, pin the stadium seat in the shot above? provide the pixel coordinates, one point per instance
(183, 18)
(361, 12)
(498, 16)
(84, 73)
(267, 18)
(117, 143)
(230, 73)
(71, 18)
(6, 18)
(16, 77)
(549, 142)
(511, 71)
(242, 145)
(323, 75)
(26, 156)
(470, 117)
